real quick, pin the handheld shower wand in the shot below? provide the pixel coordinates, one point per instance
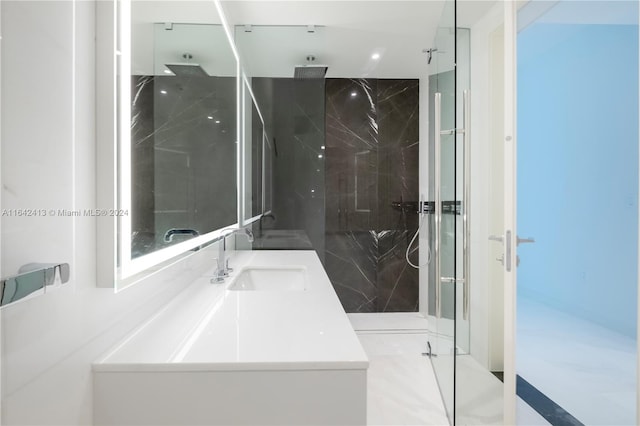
(422, 212)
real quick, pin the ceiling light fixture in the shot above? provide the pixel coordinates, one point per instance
(375, 56)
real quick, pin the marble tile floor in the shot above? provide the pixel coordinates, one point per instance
(527, 416)
(478, 394)
(402, 386)
(586, 369)
(389, 322)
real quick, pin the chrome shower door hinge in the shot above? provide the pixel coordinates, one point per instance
(428, 353)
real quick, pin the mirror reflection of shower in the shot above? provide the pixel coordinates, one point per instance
(187, 69)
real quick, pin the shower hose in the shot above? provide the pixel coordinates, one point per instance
(406, 255)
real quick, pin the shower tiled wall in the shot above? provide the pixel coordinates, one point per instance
(371, 180)
(346, 152)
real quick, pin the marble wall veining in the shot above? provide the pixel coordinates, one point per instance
(371, 188)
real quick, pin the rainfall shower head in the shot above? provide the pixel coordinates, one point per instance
(310, 71)
(187, 69)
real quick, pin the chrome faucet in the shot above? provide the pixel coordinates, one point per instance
(222, 269)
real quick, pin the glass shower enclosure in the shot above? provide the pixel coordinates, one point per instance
(449, 153)
(444, 191)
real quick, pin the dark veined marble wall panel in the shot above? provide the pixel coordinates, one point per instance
(371, 185)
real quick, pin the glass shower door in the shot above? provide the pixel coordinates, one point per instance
(442, 271)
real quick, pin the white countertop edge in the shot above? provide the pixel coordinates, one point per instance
(230, 366)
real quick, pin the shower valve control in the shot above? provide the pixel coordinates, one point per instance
(425, 207)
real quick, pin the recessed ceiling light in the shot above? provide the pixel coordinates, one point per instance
(167, 72)
(217, 121)
(322, 147)
(164, 92)
(375, 56)
(210, 117)
(313, 190)
(319, 155)
(354, 94)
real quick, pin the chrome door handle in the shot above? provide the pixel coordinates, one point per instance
(437, 198)
(466, 286)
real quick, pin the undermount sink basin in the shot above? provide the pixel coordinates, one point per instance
(271, 279)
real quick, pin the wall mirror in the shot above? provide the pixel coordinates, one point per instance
(178, 141)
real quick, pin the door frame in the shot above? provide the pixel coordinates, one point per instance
(510, 225)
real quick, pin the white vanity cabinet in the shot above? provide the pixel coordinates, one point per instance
(241, 353)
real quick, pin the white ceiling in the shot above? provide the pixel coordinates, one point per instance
(348, 33)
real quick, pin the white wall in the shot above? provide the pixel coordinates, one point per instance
(37, 172)
(50, 341)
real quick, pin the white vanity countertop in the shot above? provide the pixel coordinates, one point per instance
(208, 327)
